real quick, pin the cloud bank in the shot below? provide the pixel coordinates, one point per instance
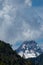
(19, 21)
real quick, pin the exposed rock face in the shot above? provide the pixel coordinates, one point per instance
(29, 49)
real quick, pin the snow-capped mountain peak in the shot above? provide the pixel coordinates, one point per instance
(29, 49)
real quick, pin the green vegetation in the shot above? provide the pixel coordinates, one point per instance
(9, 57)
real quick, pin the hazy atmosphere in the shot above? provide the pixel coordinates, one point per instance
(21, 20)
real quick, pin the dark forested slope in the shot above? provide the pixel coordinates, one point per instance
(9, 57)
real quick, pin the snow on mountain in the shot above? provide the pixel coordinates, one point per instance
(29, 49)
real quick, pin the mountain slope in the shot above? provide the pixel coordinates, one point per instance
(29, 49)
(39, 60)
(10, 57)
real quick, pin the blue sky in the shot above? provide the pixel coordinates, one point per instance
(37, 2)
(21, 20)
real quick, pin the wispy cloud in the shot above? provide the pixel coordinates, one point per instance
(19, 21)
(28, 2)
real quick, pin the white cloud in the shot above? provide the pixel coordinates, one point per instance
(7, 15)
(28, 2)
(18, 22)
(29, 33)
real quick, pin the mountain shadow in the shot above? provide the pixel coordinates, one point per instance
(9, 57)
